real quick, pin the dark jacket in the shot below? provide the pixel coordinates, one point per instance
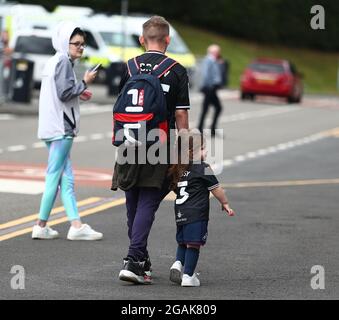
(127, 176)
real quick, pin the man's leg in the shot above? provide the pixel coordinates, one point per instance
(132, 197)
(218, 108)
(205, 105)
(148, 203)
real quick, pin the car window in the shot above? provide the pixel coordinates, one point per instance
(267, 67)
(35, 45)
(177, 45)
(90, 41)
(117, 39)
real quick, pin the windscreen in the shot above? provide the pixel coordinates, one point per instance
(34, 44)
(115, 39)
(177, 45)
(267, 67)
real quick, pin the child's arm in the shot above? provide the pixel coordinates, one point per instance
(220, 195)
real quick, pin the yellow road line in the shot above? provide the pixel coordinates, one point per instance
(54, 211)
(281, 183)
(64, 219)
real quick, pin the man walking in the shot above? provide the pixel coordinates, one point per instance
(211, 81)
(146, 185)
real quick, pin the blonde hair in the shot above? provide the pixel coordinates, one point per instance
(156, 29)
(188, 146)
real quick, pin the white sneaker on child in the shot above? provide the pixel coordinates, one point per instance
(44, 233)
(188, 281)
(85, 232)
(175, 272)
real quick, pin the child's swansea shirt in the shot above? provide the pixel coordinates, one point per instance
(192, 202)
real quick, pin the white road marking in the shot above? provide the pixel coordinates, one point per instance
(81, 139)
(38, 145)
(97, 136)
(16, 148)
(280, 147)
(21, 186)
(95, 109)
(251, 115)
(6, 116)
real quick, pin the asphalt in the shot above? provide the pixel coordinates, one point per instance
(265, 252)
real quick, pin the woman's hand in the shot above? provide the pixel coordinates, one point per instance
(90, 76)
(86, 95)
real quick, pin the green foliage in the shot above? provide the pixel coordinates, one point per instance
(319, 68)
(284, 22)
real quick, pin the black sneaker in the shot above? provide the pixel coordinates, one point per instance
(133, 271)
(148, 270)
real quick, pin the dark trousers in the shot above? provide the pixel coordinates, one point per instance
(210, 98)
(141, 204)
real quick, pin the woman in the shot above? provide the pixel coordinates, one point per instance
(58, 125)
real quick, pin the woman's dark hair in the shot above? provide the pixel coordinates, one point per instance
(78, 31)
(188, 145)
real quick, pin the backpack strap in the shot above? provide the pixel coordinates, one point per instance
(163, 67)
(133, 67)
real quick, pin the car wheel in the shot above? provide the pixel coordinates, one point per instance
(247, 96)
(243, 96)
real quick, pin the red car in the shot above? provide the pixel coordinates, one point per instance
(272, 77)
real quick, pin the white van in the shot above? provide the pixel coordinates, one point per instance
(16, 17)
(177, 48)
(34, 45)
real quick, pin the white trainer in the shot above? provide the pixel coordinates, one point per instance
(85, 232)
(175, 272)
(44, 233)
(188, 281)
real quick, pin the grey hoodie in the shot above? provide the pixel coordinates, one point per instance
(59, 95)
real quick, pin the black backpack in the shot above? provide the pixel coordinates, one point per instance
(141, 106)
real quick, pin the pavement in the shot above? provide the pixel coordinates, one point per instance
(100, 97)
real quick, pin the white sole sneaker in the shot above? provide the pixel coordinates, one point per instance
(175, 272)
(45, 233)
(175, 276)
(85, 238)
(85, 232)
(188, 281)
(129, 276)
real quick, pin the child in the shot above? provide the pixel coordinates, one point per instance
(192, 180)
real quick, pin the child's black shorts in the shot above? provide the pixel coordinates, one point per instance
(193, 233)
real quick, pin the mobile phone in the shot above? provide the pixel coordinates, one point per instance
(96, 67)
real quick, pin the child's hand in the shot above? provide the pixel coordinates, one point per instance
(86, 95)
(228, 209)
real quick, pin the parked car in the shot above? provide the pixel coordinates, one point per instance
(272, 77)
(35, 45)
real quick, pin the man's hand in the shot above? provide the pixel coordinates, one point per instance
(228, 209)
(181, 119)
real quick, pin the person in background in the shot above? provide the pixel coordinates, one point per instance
(211, 81)
(58, 125)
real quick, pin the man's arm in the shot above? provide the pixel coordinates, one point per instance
(181, 119)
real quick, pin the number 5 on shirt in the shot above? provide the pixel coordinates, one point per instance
(182, 185)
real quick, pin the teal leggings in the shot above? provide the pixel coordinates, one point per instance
(59, 175)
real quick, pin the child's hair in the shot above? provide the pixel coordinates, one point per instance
(188, 145)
